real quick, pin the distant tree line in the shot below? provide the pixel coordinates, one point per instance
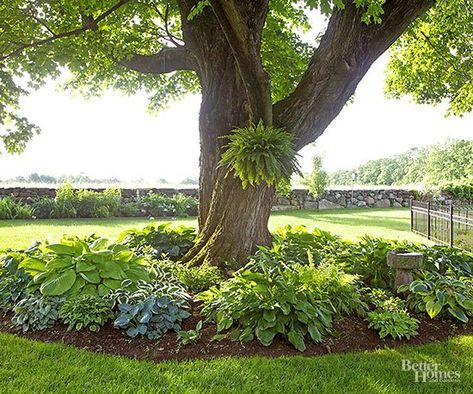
(83, 179)
(431, 165)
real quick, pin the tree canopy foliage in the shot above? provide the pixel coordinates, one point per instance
(433, 60)
(432, 165)
(134, 45)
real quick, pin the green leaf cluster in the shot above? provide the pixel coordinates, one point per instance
(36, 312)
(432, 62)
(257, 154)
(75, 267)
(153, 308)
(196, 279)
(398, 325)
(191, 336)
(264, 300)
(10, 209)
(439, 295)
(13, 281)
(86, 311)
(161, 241)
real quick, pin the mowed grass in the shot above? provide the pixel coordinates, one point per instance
(348, 223)
(28, 366)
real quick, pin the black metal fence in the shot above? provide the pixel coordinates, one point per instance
(446, 224)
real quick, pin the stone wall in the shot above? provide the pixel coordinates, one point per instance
(299, 198)
(332, 199)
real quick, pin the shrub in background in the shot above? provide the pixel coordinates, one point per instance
(10, 209)
(65, 202)
(43, 207)
(317, 180)
(92, 204)
(159, 205)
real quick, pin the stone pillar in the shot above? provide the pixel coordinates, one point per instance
(404, 263)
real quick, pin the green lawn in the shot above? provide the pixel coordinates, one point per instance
(350, 224)
(28, 366)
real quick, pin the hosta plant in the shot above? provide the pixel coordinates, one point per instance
(192, 336)
(265, 299)
(13, 281)
(86, 311)
(161, 241)
(398, 325)
(83, 266)
(36, 312)
(439, 295)
(299, 245)
(153, 308)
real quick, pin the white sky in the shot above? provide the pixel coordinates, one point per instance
(113, 136)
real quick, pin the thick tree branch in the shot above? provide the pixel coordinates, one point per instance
(243, 33)
(88, 23)
(345, 54)
(165, 61)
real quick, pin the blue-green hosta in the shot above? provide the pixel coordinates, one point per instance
(77, 266)
(152, 309)
(36, 312)
(440, 295)
(263, 300)
(13, 281)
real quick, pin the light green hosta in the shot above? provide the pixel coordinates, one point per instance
(76, 266)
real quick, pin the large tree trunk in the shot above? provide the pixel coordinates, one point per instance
(232, 220)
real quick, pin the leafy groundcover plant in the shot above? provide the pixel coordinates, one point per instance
(398, 325)
(196, 279)
(13, 281)
(263, 300)
(439, 295)
(153, 308)
(390, 318)
(36, 312)
(82, 266)
(86, 311)
(161, 241)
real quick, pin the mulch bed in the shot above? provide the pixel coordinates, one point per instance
(350, 334)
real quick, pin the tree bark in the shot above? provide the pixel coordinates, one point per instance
(232, 220)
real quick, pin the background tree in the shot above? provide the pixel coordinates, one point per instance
(432, 165)
(246, 57)
(318, 179)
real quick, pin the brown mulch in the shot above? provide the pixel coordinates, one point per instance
(350, 334)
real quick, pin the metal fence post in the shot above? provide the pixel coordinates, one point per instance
(451, 225)
(428, 220)
(412, 214)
